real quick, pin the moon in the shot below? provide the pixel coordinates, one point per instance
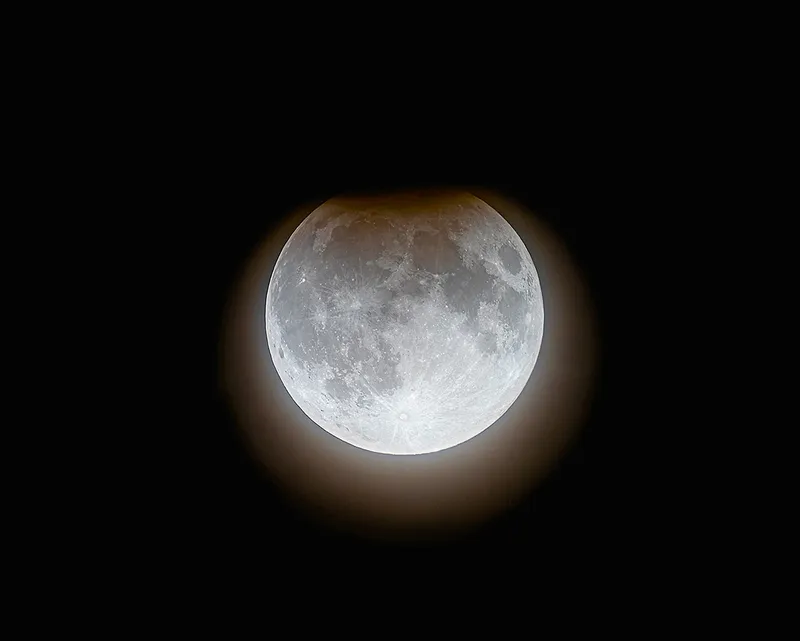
(404, 323)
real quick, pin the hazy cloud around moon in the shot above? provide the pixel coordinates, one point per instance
(382, 495)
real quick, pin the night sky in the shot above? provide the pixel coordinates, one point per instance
(230, 514)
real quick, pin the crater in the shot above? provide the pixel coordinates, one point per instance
(510, 259)
(280, 352)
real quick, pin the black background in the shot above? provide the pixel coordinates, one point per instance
(216, 153)
(226, 511)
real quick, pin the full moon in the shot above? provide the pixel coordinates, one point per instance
(406, 323)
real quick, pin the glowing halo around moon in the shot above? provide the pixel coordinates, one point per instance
(406, 325)
(426, 495)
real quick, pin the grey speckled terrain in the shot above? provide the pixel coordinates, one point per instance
(404, 326)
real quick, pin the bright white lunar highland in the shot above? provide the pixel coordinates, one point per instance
(404, 324)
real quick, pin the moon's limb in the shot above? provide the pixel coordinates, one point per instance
(404, 327)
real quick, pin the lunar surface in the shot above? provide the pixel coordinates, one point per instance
(404, 324)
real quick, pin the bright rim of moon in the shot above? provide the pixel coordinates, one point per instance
(404, 325)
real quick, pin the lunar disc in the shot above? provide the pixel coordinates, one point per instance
(404, 324)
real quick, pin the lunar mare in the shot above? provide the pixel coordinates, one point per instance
(404, 325)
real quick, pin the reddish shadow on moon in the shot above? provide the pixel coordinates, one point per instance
(424, 495)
